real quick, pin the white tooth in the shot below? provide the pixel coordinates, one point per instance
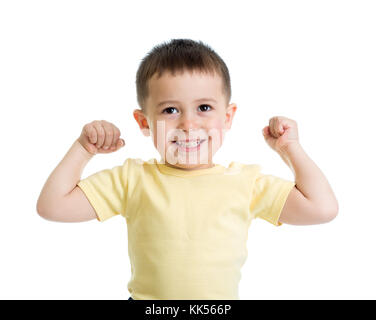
(188, 144)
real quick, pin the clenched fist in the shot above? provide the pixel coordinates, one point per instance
(281, 133)
(100, 137)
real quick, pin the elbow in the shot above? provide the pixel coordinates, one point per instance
(43, 212)
(46, 216)
(39, 208)
(329, 213)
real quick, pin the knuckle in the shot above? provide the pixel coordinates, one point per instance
(88, 132)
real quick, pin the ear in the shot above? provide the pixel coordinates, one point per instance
(142, 122)
(230, 113)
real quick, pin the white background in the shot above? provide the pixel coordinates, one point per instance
(66, 63)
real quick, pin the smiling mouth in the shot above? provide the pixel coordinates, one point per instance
(188, 144)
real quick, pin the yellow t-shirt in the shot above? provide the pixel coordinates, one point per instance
(187, 230)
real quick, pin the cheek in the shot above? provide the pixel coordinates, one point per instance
(216, 129)
(155, 127)
(217, 124)
(159, 130)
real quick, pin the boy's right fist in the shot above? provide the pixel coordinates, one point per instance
(100, 137)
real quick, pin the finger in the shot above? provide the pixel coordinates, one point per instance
(91, 133)
(109, 135)
(272, 127)
(100, 134)
(116, 137)
(282, 123)
(279, 127)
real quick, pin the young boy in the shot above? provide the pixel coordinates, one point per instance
(187, 217)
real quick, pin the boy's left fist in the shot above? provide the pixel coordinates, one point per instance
(281, 133)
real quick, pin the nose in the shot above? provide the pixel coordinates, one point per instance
(188, 121)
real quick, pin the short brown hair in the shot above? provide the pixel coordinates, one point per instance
(180, 55)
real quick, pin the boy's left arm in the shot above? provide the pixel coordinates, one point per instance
(311, 201)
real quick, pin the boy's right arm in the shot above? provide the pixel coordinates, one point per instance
(61, 199)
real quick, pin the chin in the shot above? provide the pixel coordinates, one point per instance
(189, 163)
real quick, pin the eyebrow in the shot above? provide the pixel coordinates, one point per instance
(176, 101)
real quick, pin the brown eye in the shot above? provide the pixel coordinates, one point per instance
(169, 108)
(205, 107)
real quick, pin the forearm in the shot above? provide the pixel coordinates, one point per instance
(309, 179)
(64, 177)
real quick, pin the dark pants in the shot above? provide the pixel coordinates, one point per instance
(130, 298)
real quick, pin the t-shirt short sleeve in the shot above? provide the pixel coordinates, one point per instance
(269, 196)
(106, 191)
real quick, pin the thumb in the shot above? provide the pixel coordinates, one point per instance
(269, 139)
(121, 143)
(265, 132)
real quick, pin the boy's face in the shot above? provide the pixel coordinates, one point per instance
(189, 128)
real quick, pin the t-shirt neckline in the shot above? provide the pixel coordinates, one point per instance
(217, 168)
